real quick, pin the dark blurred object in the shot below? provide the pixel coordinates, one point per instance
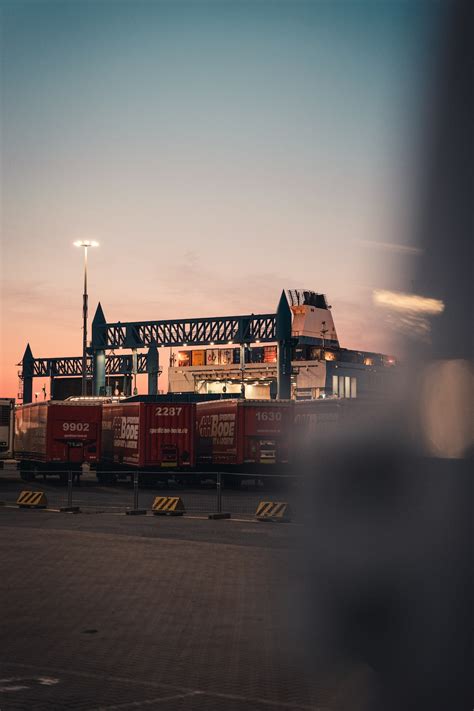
(386, 565)
(386, 561)
(445, 269)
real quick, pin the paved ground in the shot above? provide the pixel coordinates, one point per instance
(116, 612)
(107, 611)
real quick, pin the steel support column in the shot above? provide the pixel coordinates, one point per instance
(127, 385)
(98, 352)
(283, 334)
(242, 367)
(98, 369)
(27, 375)
(152, 368)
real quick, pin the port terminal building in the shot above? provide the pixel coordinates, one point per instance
(320, 367)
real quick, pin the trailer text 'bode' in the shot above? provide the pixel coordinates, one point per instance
(147, 436)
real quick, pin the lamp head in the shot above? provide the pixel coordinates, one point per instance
(85, 243)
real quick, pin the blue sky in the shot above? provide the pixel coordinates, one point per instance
(219, 152)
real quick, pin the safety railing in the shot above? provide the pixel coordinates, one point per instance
(213, 494)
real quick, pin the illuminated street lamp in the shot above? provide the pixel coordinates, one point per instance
(86, 243)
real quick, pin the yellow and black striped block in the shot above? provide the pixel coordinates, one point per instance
(278, 511)
(168, 506)
(32, 500)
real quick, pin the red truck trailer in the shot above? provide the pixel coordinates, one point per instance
(312, 417)
(55, 437)
(155, 437)
(330, 421)
(244, 435)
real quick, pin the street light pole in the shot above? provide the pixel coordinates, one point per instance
(84, 327)
(86, 244)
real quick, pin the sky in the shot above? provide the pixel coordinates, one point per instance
(218, 151)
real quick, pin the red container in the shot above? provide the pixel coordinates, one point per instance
(329, 422)
(243, 432)
(317, 417)
(155, 435)
(58, 432)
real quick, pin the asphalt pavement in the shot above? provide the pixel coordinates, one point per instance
(114, 612)
(107, 611)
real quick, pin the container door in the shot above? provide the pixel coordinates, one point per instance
(169, 455)
(75, 452)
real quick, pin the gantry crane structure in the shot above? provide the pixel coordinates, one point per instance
(153, 335)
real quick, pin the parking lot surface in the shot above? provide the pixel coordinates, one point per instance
(107, 611)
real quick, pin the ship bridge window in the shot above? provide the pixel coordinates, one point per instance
(344, 386)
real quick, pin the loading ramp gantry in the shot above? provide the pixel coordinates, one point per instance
(153, 335)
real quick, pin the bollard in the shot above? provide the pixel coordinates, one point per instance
(277, 511)
(69, 508)
(219, 514)
(135, 511)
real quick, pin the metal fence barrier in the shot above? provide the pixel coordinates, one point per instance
(211, 494)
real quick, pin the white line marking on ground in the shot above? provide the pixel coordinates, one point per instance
(197, 518)
(42, 680)
(98, 508)
(146, 702)
(182, 690)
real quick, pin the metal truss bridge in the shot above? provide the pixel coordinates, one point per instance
(188, 332)
(61, 367)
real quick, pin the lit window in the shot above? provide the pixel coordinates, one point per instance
(353, 387)
(347, 388)
(341, 386)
